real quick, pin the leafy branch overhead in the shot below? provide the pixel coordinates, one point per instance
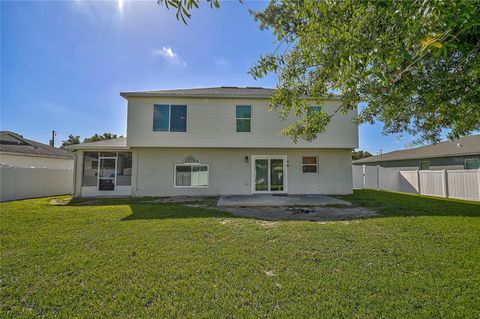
(184, 7)
(413, 65)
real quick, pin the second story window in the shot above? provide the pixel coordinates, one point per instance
(314, 109)
(244, 118)
(169, 118)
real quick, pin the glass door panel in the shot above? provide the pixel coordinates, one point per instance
(261, 174)
(276, 175)
(106, 174)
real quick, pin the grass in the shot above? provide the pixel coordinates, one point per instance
(134, 259)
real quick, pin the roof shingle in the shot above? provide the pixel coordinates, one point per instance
(468, 145)
(11, 142)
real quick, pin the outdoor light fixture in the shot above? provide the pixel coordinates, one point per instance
(246, 159)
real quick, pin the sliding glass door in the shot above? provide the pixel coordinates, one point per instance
(269, 174)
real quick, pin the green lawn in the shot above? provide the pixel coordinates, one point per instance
(131, 259)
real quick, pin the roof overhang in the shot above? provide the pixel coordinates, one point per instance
(128, 95)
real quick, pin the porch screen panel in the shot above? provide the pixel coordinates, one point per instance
(124, 169)
(90, 169)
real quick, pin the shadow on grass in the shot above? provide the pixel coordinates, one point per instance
(160, 208)
(403, 204)
(172, 211)
(387, 204)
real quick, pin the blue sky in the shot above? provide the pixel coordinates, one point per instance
(63, 63)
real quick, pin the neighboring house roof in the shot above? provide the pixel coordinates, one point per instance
(116, 143)
(212, 92)
(469, 145)
(13, 143)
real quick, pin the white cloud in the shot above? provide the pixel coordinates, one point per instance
(169, 55)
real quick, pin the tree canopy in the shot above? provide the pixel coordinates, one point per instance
(356, 155)
(413, 65)
(75, 139)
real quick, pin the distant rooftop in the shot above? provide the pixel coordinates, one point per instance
(211, 92)
(468, 145)
(11, 142)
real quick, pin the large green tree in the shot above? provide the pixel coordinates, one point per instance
(413, 64)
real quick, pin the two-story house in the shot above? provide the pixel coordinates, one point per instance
(215, 141)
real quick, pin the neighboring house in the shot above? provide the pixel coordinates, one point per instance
(463, 153)
(215, 141)
(21, 152)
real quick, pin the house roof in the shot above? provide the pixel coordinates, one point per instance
(469, 145)
(13, 143)
(116, 143)
(211, 92)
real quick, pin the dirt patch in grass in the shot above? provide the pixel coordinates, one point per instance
(302, 213)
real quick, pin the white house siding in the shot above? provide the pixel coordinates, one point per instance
(36, 161)
(229, 173)
(211, 123)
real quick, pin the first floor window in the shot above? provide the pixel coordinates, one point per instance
(424, 165)
(191, 175)
(309, 164)
(472, 163)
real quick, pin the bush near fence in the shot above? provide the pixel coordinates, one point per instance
(29, 182)
(460, 184)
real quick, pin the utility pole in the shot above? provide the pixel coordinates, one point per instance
(52, 141)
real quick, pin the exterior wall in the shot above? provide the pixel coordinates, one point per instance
(229, 173)
(211, 123)
(439, 163)
(36, 161)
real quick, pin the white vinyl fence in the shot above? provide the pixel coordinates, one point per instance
(461, 184)
(29, 182)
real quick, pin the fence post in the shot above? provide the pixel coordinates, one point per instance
(445, 183)
(418, 181)
(363, 176)
(378, 177)
(478, 184)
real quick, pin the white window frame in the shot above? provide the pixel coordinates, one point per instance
(170, 118)
(316, 165)
(244, 118)
(190, 164)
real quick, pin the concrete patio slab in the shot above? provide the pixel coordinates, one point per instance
(275, 200)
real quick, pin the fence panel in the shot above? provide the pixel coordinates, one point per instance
(464, 184)
(28, 182)
(371, 177)
(432, 183)
(461, 184)
(408, 181)
(357, 174)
